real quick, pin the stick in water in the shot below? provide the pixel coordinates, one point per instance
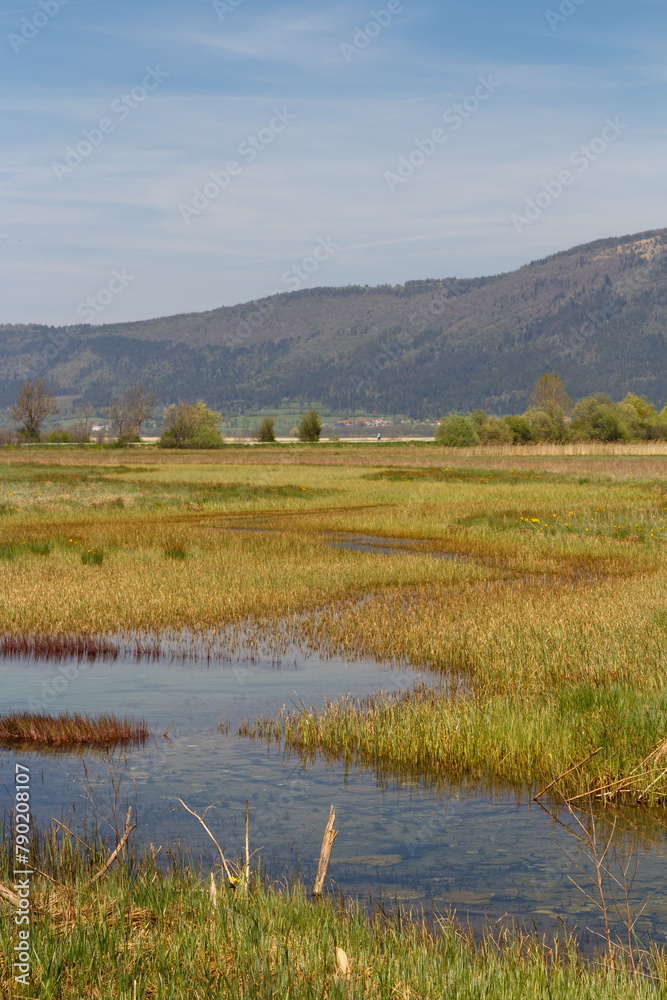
(329, 836)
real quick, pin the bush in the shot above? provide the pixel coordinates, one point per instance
(175, 552)
(265, 431)
(495, 431)
(125, 439)
(456, 431)
(59, 436)
(24, 436)
(519, 428)
(599, 418)
(310, 427)
(545, 426)
(191, 426)
(479, 419)
(6, 437)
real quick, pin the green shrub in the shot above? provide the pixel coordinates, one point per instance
(456, 431)
(545, 426)
(265, 431)
(191, 426)
(59, 436)
(125, 439)
(599, 418)
(39, 548)
(520, 428)
(495, 431)
(310, 427)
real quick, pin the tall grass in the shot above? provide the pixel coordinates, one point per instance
(153, 932)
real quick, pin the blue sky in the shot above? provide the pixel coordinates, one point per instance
(214, 145)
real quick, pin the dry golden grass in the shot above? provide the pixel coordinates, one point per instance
(556, 585)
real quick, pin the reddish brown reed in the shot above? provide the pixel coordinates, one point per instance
(75, 647)
(36, 729)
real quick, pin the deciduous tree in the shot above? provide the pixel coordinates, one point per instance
(33, 405)
(550, 395)
(191, 426)
(129, 411)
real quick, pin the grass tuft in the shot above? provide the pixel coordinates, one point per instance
(40, 730)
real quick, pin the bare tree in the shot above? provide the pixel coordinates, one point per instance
(80, 431)
(33, 405)
(86, 413)
(551, 396)
(130, 410)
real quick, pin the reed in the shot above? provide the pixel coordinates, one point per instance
(34, 729)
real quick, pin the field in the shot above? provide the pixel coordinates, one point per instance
(533, 582)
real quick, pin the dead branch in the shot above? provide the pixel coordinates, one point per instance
(119, 847)
(327, 843)
(228, 873)
(8, 895)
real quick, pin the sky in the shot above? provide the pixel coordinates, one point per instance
(170, 157)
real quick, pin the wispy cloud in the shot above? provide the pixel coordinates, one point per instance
(324, 175)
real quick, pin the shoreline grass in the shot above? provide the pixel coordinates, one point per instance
(155, 932)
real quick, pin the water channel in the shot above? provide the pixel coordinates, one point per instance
(488, 855)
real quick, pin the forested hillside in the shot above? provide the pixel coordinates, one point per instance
(597, 314)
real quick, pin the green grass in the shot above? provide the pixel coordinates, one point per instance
(154, 929)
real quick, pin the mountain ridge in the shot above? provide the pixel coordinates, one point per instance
(596, 313)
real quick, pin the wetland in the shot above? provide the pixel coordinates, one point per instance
(424, 639)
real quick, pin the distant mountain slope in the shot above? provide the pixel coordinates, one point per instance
(596, 314)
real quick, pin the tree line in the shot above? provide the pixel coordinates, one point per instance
(185, 425)
(553, 417)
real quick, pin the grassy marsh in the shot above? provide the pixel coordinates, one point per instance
(553, 611)
(546, 597)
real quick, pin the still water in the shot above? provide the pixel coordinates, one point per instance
(486, 855)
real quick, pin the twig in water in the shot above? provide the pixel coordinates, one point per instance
(228, 873)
